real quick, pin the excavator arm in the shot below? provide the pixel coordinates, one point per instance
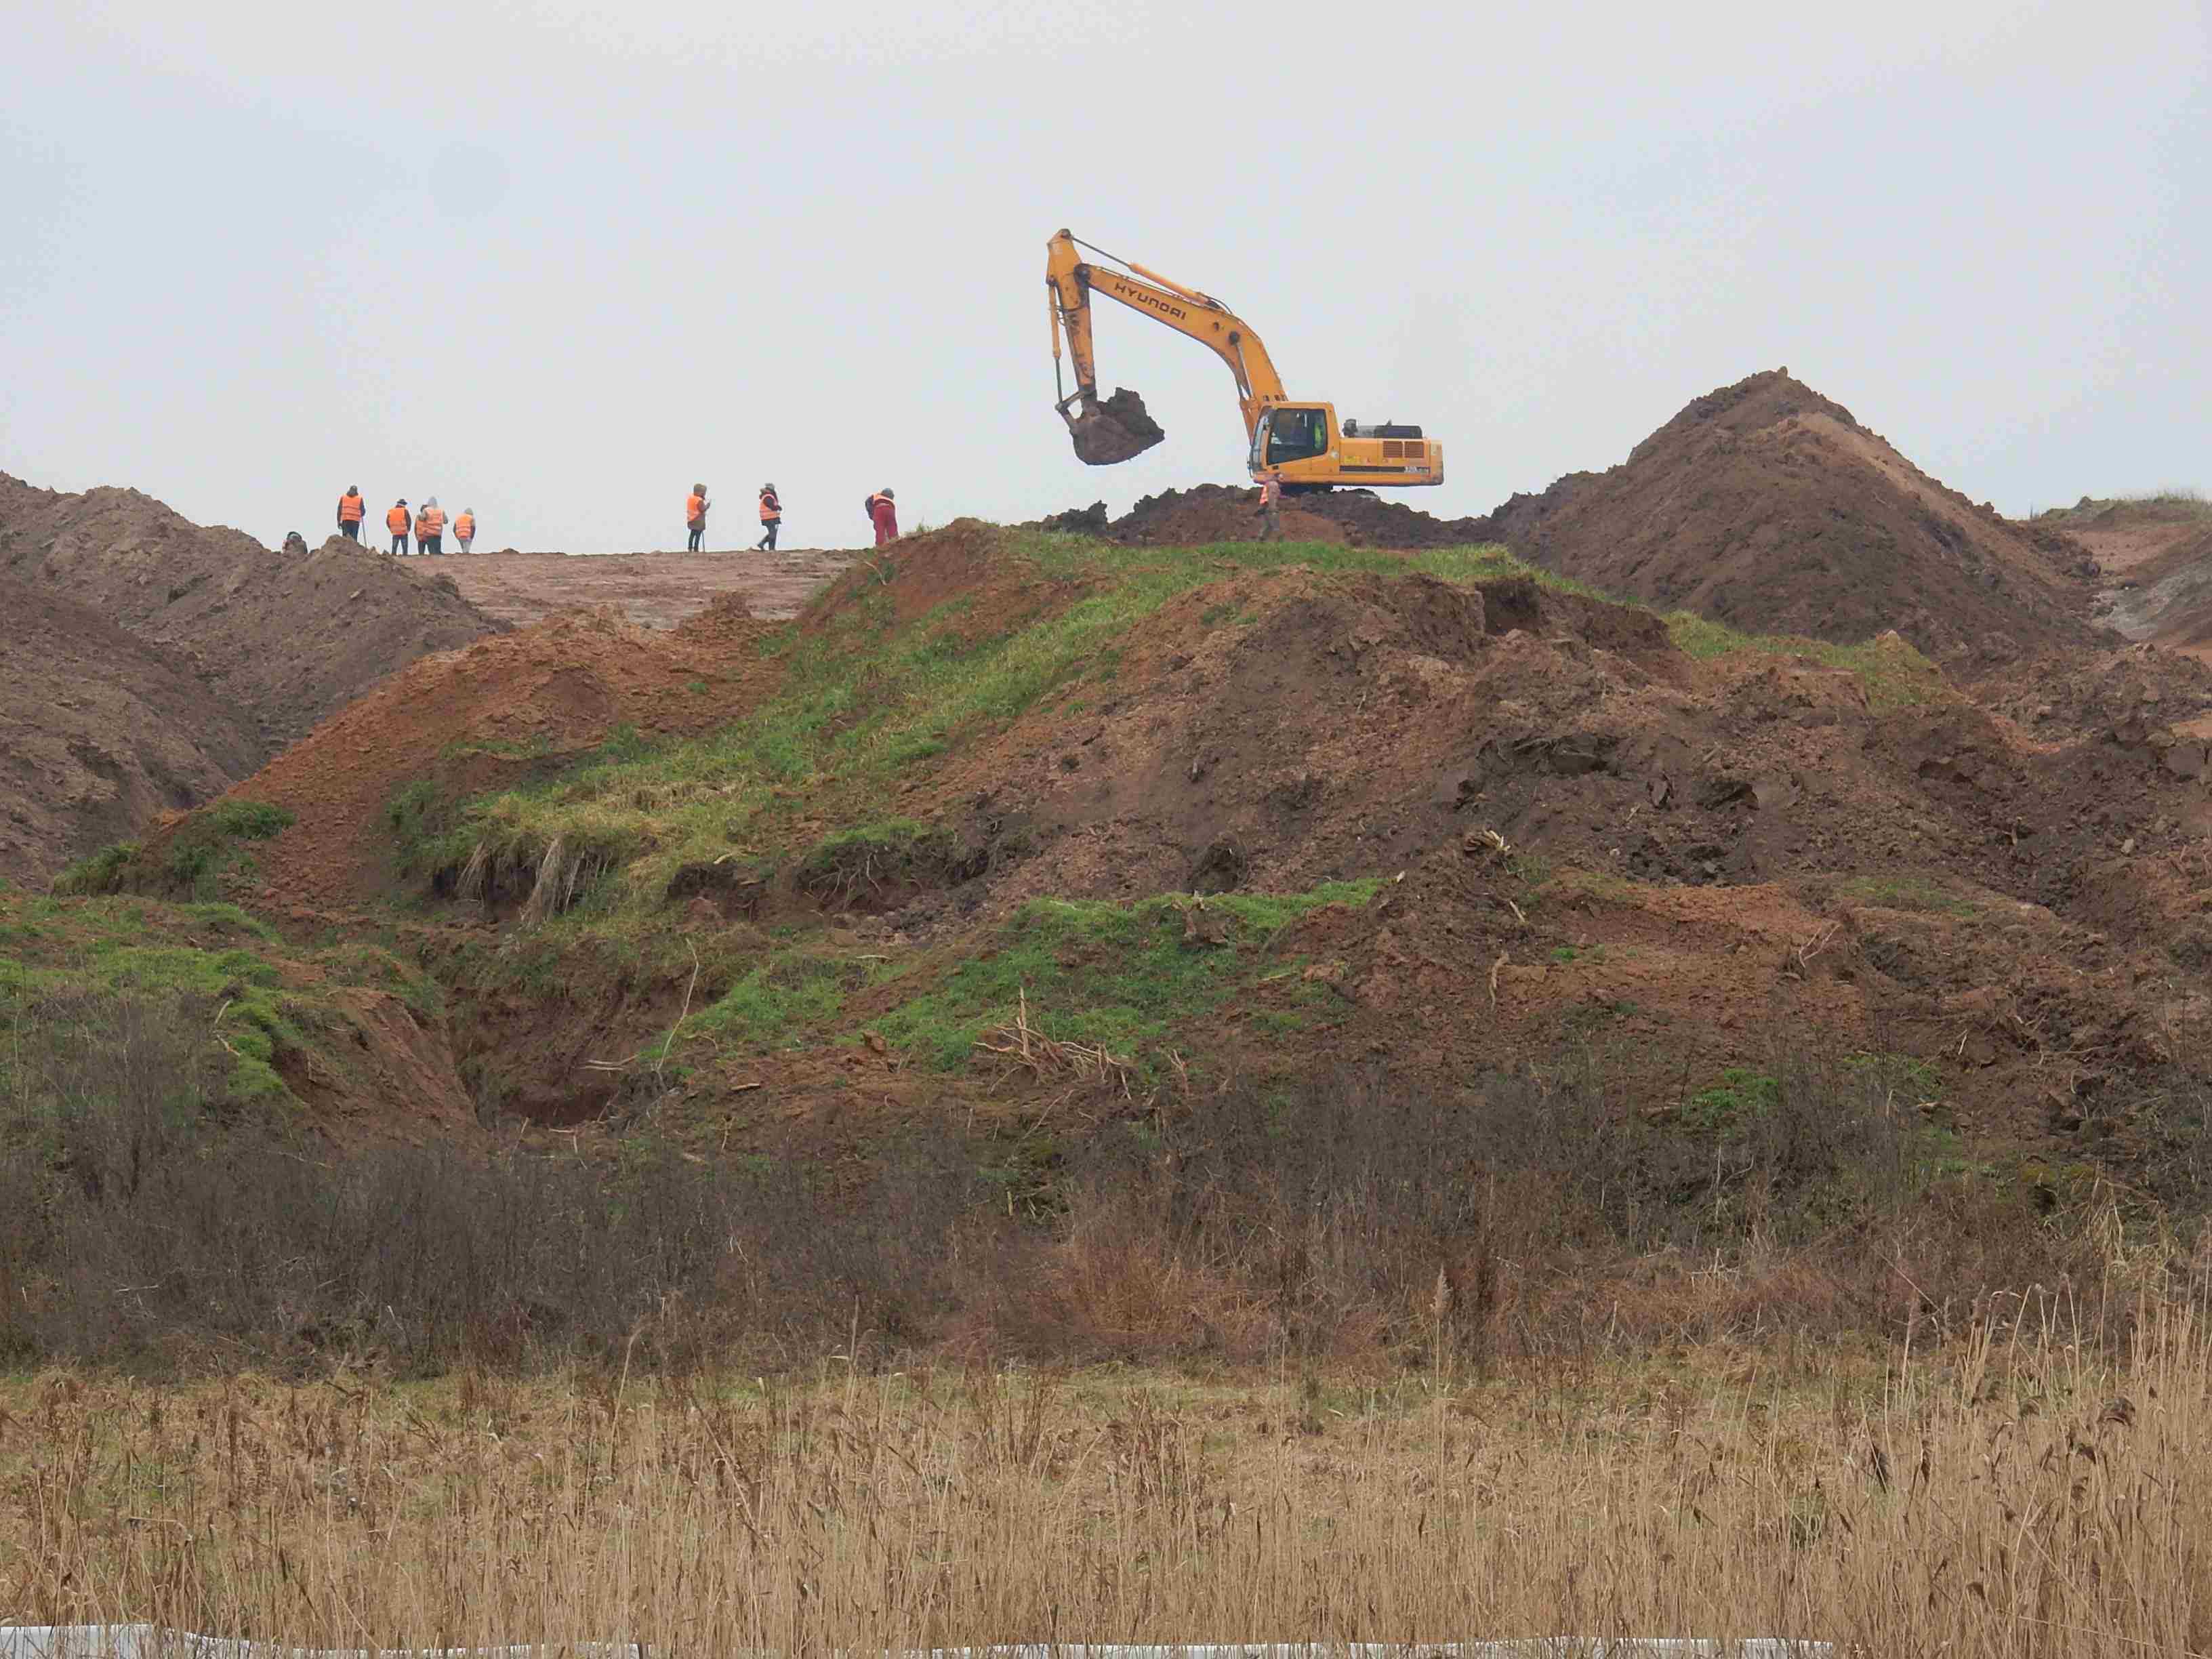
(1115, 429)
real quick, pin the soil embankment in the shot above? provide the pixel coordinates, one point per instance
(285, 640)
(1768, 506)
(99, 733)
(163, 660)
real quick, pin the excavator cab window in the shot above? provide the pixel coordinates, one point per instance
(1293, 435)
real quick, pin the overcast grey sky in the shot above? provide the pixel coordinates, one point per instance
(556, 259)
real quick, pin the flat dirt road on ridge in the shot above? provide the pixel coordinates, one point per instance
(652, 590)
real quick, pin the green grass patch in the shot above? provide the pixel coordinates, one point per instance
(211, 959)
(195, 864)
(1894, 674)
(781, 1002)
(1907, 892)
(1123, 976)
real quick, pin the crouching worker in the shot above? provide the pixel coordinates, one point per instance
(883, 513)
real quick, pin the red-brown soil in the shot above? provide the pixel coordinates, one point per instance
(284, 640)
(1768, 506)
(652, 590)
(99, 733)
(507, 707)
(1758, 849)
(1584, 833)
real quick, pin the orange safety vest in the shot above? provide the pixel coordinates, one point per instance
(695, 508)
(397, 520)
(349, 509)
(465, 526)
(771, 509)
(431, 521)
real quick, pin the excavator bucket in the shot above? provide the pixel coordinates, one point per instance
(1112, 430)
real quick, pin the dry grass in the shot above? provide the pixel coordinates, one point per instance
(2019, 1497)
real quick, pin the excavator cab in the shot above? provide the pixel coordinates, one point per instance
(1294, 432)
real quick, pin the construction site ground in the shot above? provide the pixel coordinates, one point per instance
(652, 590)
(1040, 831)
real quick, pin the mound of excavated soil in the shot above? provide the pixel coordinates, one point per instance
(1219, 513)
(99, 733)
(282, 640)
(506, 707)
(1768, 506)
(1584, 833)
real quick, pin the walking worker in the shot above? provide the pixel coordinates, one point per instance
(399, 523)
(771, 517)
(883, 513)
(465, 527)
(694, 515)
(1271, 506)
(430, 529)
(350, 509)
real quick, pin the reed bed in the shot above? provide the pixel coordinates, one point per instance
(2015, 1493)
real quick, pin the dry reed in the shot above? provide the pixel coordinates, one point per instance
(2017, 1496)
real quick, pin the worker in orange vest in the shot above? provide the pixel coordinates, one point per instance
(883, 513)
(694, 515)
(1271, 506)
(350, 507)
(771, 517)
(430, 529)
(399, 523)
(465, 527)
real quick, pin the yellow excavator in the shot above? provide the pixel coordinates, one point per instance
(1298, 439)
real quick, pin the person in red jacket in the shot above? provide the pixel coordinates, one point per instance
(883, 513)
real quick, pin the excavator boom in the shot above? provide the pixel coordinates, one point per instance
(1304, 446)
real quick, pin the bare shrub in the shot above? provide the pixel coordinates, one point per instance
(1358, 1218)
(145, 1216)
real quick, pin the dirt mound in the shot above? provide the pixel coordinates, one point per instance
(1768, 506)
(1742, 846)
(99, 733)
(284, 640)
(1221, 512)
(505, 708)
